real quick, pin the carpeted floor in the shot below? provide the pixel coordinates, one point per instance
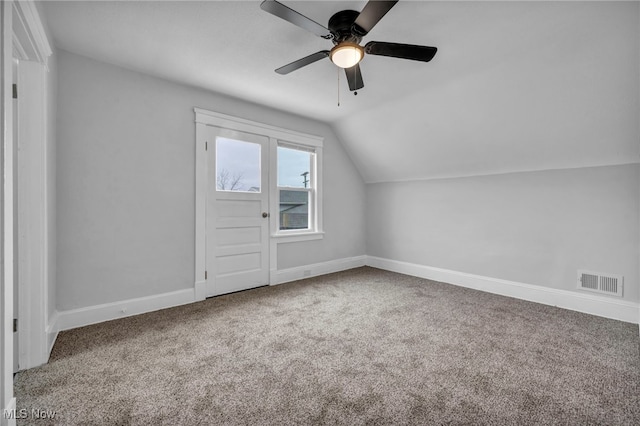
(358, 347)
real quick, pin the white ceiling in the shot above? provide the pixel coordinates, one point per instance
(514, 85)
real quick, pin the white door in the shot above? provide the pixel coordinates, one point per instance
(237, 211)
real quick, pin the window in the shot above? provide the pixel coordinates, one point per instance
(237, 165)
(297, 189)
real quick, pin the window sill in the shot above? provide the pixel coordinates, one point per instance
(295, 237)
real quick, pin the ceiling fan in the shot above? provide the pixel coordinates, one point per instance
(346, 30)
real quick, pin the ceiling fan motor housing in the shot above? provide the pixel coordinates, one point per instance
(341, 26)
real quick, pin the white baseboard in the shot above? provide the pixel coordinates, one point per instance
(66, 320)
(9, 413)
(587, 303)
(315, 269)
(109, 311)
(200, 290)
(52, 332)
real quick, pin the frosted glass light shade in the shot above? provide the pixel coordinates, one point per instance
(346, 55)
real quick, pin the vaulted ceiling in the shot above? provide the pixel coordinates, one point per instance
(514, 86)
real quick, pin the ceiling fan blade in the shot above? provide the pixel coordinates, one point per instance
(290, 15)
(354, 77)
(303, 62)
(399, 50)
(371, 15)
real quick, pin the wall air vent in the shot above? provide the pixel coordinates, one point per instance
(600, 283)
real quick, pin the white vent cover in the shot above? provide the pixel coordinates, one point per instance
(600, 283)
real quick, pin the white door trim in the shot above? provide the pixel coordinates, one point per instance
(243, 125)
(204, 118)
(29, 37)
(32, 216)
(6, 226)
(32, 49)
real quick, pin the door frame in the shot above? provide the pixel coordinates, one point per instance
(204, 118)
(7, 400)
(33, 216)
(23, 36)
(31, 52)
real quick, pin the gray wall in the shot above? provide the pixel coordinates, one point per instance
(126, 184)
(530, 227)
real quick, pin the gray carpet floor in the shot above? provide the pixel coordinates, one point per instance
(363, 346)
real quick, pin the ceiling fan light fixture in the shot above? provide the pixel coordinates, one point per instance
(346, 55)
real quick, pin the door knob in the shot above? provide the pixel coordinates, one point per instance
(265, 214)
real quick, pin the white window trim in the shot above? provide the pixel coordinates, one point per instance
(292, 236)
(204, 118)
(315, 231)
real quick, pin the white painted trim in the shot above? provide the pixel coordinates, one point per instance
(30, 33)
(52, 332)
(109, 311)
(201, 210)
(6, 208)
(319, 188)
(10, 408)
(587, 303)
(66, 320)
(316, 269)
(217, 119)
(18, 50)
(32, 210)
(315, 198)
(297, 237)
(30, 43)
(200, 290)
(274, 210)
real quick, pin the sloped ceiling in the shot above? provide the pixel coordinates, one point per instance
(515, 85)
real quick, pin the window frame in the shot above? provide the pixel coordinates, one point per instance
(310, 190)
(314, 231)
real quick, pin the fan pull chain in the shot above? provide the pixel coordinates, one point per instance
(338, 69)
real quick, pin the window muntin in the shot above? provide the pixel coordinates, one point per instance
(237, 165)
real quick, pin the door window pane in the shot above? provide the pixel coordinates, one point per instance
(237, 165)
(294, 209)
(294, 167)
